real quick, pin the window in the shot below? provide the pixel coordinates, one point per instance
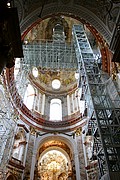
(58, 33)
(55, 110)
(58, 29)
(35, 72)
(56, 84)
(29, 97)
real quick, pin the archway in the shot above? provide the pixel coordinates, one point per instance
(11, 177)
(54, 158)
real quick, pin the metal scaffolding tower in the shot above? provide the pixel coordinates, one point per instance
(7, 132)
(103, 107)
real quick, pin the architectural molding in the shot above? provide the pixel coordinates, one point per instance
(77, 12)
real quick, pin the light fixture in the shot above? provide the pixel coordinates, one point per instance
(56, 84)
(8, 4)
(25, 42)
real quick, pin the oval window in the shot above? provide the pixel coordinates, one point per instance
(56, 84)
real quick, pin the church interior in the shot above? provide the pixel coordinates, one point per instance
(59, 90)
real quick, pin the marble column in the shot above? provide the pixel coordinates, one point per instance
(77, 166)
(76, 161)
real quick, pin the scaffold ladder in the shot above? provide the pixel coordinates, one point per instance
(103, 112)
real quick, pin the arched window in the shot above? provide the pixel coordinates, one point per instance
(58, 29)
(55, 110)
(29, 97)
(58, 33)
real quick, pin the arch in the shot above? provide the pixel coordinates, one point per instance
(53, 22)
(11, 177)
(63, 138)
(54, 159)
(58, 149)
(47, 137)
(62, 176)
(75, 12)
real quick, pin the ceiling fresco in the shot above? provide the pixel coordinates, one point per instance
(43, 31)
(54, 143)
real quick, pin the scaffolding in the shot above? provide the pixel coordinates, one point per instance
(51, 55)
(103, 108)
(45, 55)
(21, 79)
(7, 131)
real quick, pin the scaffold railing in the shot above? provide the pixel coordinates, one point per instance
(103, 111)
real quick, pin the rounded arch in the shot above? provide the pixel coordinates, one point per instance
(45, 152)
(53, 162)
(11, 177)
(58, 149)
(53, 22)
(62, 176)
(60, 153)
(63, 138)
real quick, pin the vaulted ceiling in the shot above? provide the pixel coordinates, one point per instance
(99, 14)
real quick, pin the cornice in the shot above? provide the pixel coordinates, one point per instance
(77, 12)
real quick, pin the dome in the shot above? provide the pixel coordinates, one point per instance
(49, 71)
